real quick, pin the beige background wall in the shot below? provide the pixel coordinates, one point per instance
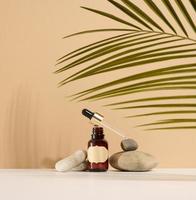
(38, 125)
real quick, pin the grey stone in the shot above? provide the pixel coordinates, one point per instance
(71, 161)
(82, 167)
(129, 144)
(133, 161)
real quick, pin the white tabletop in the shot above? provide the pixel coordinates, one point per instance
(166, 184)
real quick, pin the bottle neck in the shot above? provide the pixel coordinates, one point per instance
(97, 133)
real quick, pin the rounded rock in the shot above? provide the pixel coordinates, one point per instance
(129, 144)
(133, 161)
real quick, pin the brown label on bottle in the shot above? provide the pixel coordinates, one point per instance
(97, 154)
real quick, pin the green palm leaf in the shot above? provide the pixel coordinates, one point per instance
(129, 61)
(156, 10)
(164, 113)
(95, 45)
(151, 73)
(130, 14)
(153, 99)
(172, 105)
(145, 84)
(141, 13)
(99, 30)
(114, 64)
(140, 45)
(151, 87)
(172, 128)
(108, 48)
(175, 16)
(193, 2)
(186, 14)
(111, 17)
(169, 121)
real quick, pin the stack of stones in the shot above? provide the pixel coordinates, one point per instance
(130, 159)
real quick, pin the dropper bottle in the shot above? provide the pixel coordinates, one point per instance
(97, 153)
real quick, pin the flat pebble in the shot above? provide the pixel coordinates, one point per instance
(71, 161)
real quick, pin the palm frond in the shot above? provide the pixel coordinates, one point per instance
(153, 99)
(94, 45)
(171, 105)
(180, 112)
(147, 74)
(144, 42)
(126, 60)
(193, 3)
(157, 11)
(171, 128)
(145, 84)
(142, 14)
(99, 30)
(152, 87)
(168, 121)
(175, 16)
(186, 14)
(106, 49)
(110, 16)
(130, 14)
(129, 61)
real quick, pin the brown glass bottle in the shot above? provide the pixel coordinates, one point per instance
(97, 151)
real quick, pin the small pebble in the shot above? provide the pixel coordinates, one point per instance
(129, 144)
(71, 161)
(82, 167)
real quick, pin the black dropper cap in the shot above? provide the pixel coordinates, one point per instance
(87, 113)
